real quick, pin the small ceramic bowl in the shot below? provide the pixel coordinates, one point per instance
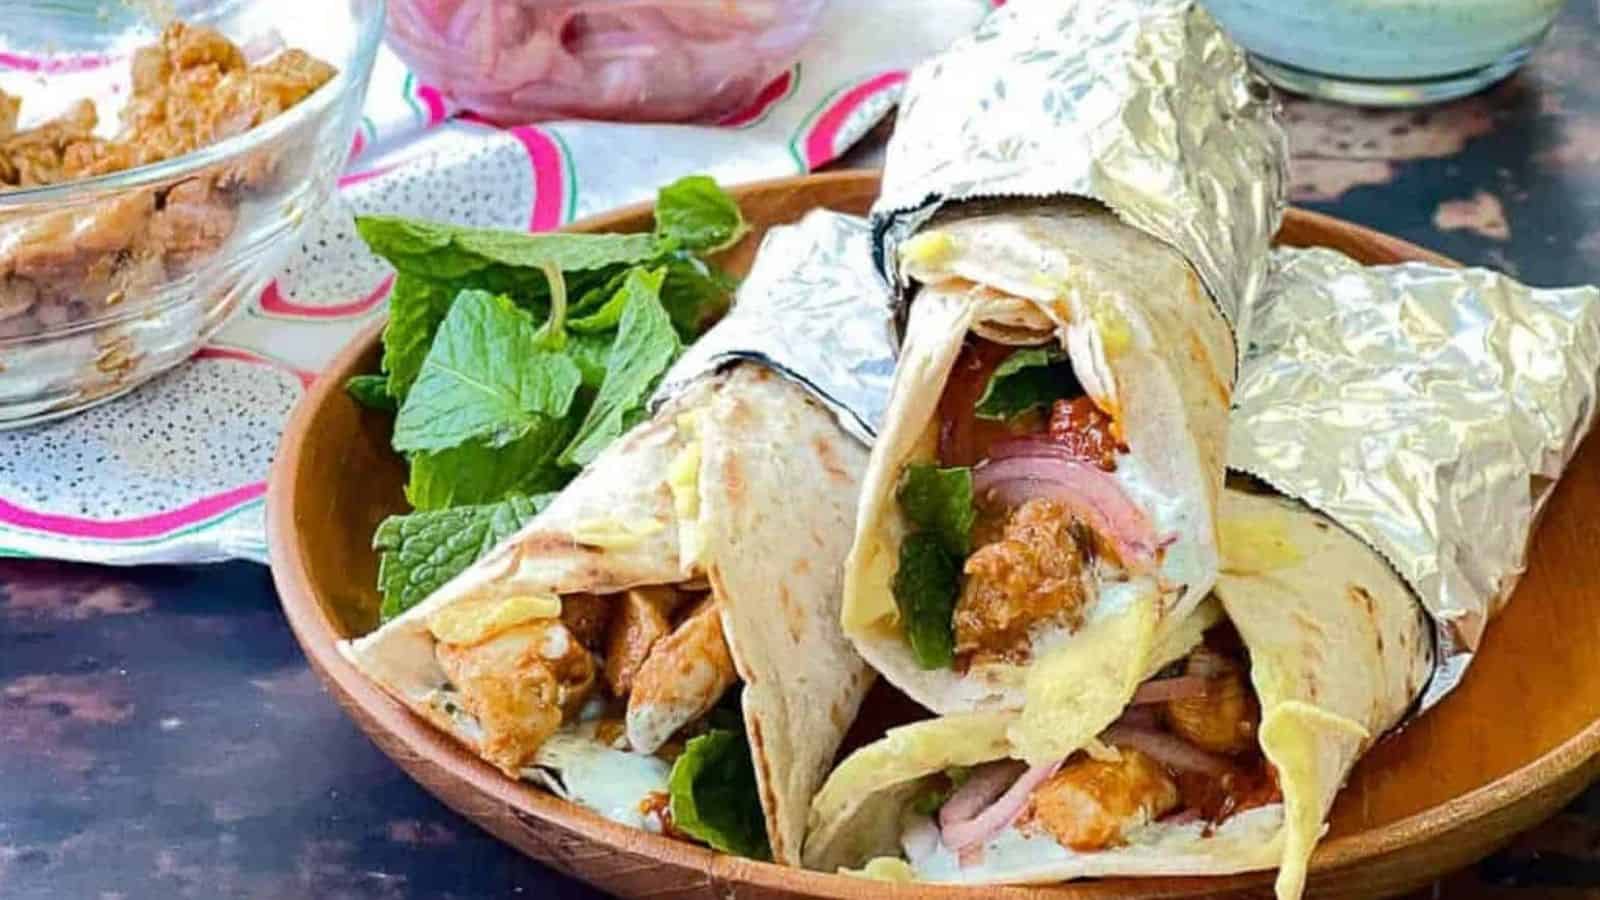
(101, 287)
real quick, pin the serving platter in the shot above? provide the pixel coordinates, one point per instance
(1519, 738)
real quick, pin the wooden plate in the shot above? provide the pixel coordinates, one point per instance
(1515, 742)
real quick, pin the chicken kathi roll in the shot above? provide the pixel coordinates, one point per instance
(1048, 474)
(662, 643)
(1227, 757)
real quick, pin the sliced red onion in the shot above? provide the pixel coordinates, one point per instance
(985, 783)
(1139, 717)
(1001, 813)
(1093, 495)
(1170, 751)
(1161, 690)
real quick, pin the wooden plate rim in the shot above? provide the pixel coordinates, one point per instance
(408, 739)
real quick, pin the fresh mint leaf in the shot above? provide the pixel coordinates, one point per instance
(695, 214)
(925, 588)
(928, 802)
(591, 353)
(474, 474)
(593, 297)
(416, 307)
(604, 317)
(645, 346)
(483, 380)
(371, 391)
(1028, 378)
(714, 795)
(696, 294)
(441, 252)
(939, 501)
(423, 550)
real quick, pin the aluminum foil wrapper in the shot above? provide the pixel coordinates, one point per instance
(814, 310)
(1428, 410)
(1143, 105)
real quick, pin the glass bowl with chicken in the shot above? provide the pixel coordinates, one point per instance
(1226, 757)
(156, 164)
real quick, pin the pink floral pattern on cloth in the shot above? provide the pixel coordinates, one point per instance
(175, 471)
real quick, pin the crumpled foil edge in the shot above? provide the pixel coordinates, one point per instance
(1079, 164)
(1558, 440)
(813, 310)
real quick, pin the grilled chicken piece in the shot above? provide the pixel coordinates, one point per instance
(10, 110)
(643, 618)
(194, 220)
(588, 617)
(1037, 572)
(36, 156)
(681, 679)
(1090, 804)
(1225, 718)
(518, 685)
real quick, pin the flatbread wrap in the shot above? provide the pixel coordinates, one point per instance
(1048, 471)
(1227, 759)
(661, 643)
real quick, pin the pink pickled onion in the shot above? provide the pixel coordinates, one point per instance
(1160, 690)
(986, 782)
(1139, 717)
(1170, 751)
(1001, 813)
(644, 60)
(1093, 495)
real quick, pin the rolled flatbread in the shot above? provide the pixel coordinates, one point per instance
(702, 548)
(1336, 648)
(1094, 474)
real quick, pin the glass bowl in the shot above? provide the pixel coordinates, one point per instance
(108, 281)
(1386, 52)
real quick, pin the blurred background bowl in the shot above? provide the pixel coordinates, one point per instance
(1386, 52)
(624, 60)
(84, 317)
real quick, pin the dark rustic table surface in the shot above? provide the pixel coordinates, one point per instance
(161, 735)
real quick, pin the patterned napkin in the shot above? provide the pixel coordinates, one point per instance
(176, 471)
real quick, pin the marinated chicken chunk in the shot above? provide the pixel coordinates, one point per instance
(193, 221)
(588, 617)
(1090, 804)
(1086, 431)
(684, 675)
(10, 107)
(1226, 717)
(519, 684)
(38, 156)
(195, 88)
(1215, 798)
(643, 619)
(1036, 573)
